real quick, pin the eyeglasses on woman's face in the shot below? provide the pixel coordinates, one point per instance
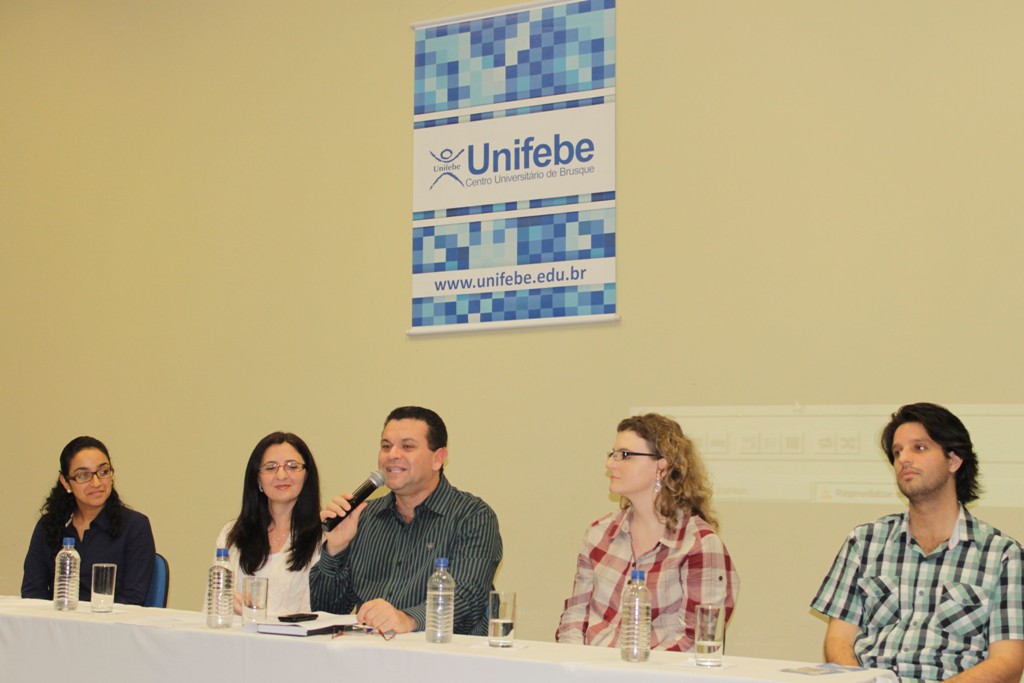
(84, 477)
(618, 455)
(290, 466)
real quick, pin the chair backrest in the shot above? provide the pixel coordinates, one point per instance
(157, 596)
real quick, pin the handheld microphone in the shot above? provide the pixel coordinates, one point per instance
(375, 479)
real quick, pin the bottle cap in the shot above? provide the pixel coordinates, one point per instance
(441, 563)
(637, 575)
(69, 540)
(222, 553)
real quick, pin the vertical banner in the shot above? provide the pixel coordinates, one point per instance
(514, 168)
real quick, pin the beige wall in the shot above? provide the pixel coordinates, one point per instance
(205, 216)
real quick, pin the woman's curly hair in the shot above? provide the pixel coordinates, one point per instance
(684, 485)
(60, 503)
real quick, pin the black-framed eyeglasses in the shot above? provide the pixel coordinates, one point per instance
(290, 466)
(86, 477)
(359, 629)
(619, 456)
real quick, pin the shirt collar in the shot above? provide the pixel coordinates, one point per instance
(670, 539)
(436, 502)
(959, 530)
(970, 530)
(101, 521)
(966, 529)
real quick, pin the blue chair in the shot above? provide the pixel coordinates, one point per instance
(157, 596)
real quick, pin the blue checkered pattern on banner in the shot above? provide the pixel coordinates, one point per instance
(549, 238)
(523, 304)
(514, 206)
(539, 52)
(517, 111)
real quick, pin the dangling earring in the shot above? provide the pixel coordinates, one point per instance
(657, 484)
(261, 487)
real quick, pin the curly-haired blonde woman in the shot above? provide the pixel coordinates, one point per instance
(665, 527)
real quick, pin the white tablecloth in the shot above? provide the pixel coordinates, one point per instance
(138, 644)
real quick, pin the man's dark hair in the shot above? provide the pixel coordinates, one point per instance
(437, 433)
(945, 429)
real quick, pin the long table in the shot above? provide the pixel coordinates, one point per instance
(146, 644)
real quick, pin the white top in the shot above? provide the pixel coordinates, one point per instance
(287, 591)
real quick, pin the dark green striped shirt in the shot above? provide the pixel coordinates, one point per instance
(390, 559)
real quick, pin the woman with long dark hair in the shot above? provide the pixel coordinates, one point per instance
(85, 505)
(277, 534)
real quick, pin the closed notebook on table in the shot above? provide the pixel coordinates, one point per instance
(324, 624)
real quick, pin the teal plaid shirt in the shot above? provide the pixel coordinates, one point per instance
(926, 617)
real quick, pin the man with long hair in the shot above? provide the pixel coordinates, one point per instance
(933, 593)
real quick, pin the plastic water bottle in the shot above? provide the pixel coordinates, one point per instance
(635, 629)
(66, 577)
(440, 603)
(220, 592)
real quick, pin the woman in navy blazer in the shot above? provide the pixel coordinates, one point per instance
(84, 504)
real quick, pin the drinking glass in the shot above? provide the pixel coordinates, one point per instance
(501, 618)
(104, 576)
(709, 634)
(254, 599)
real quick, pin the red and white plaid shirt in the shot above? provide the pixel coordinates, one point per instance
(687, 567)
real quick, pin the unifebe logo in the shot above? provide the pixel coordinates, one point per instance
(447, 165)
(529, 153)
(526, 159)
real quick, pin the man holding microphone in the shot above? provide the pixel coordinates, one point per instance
(378, 558)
